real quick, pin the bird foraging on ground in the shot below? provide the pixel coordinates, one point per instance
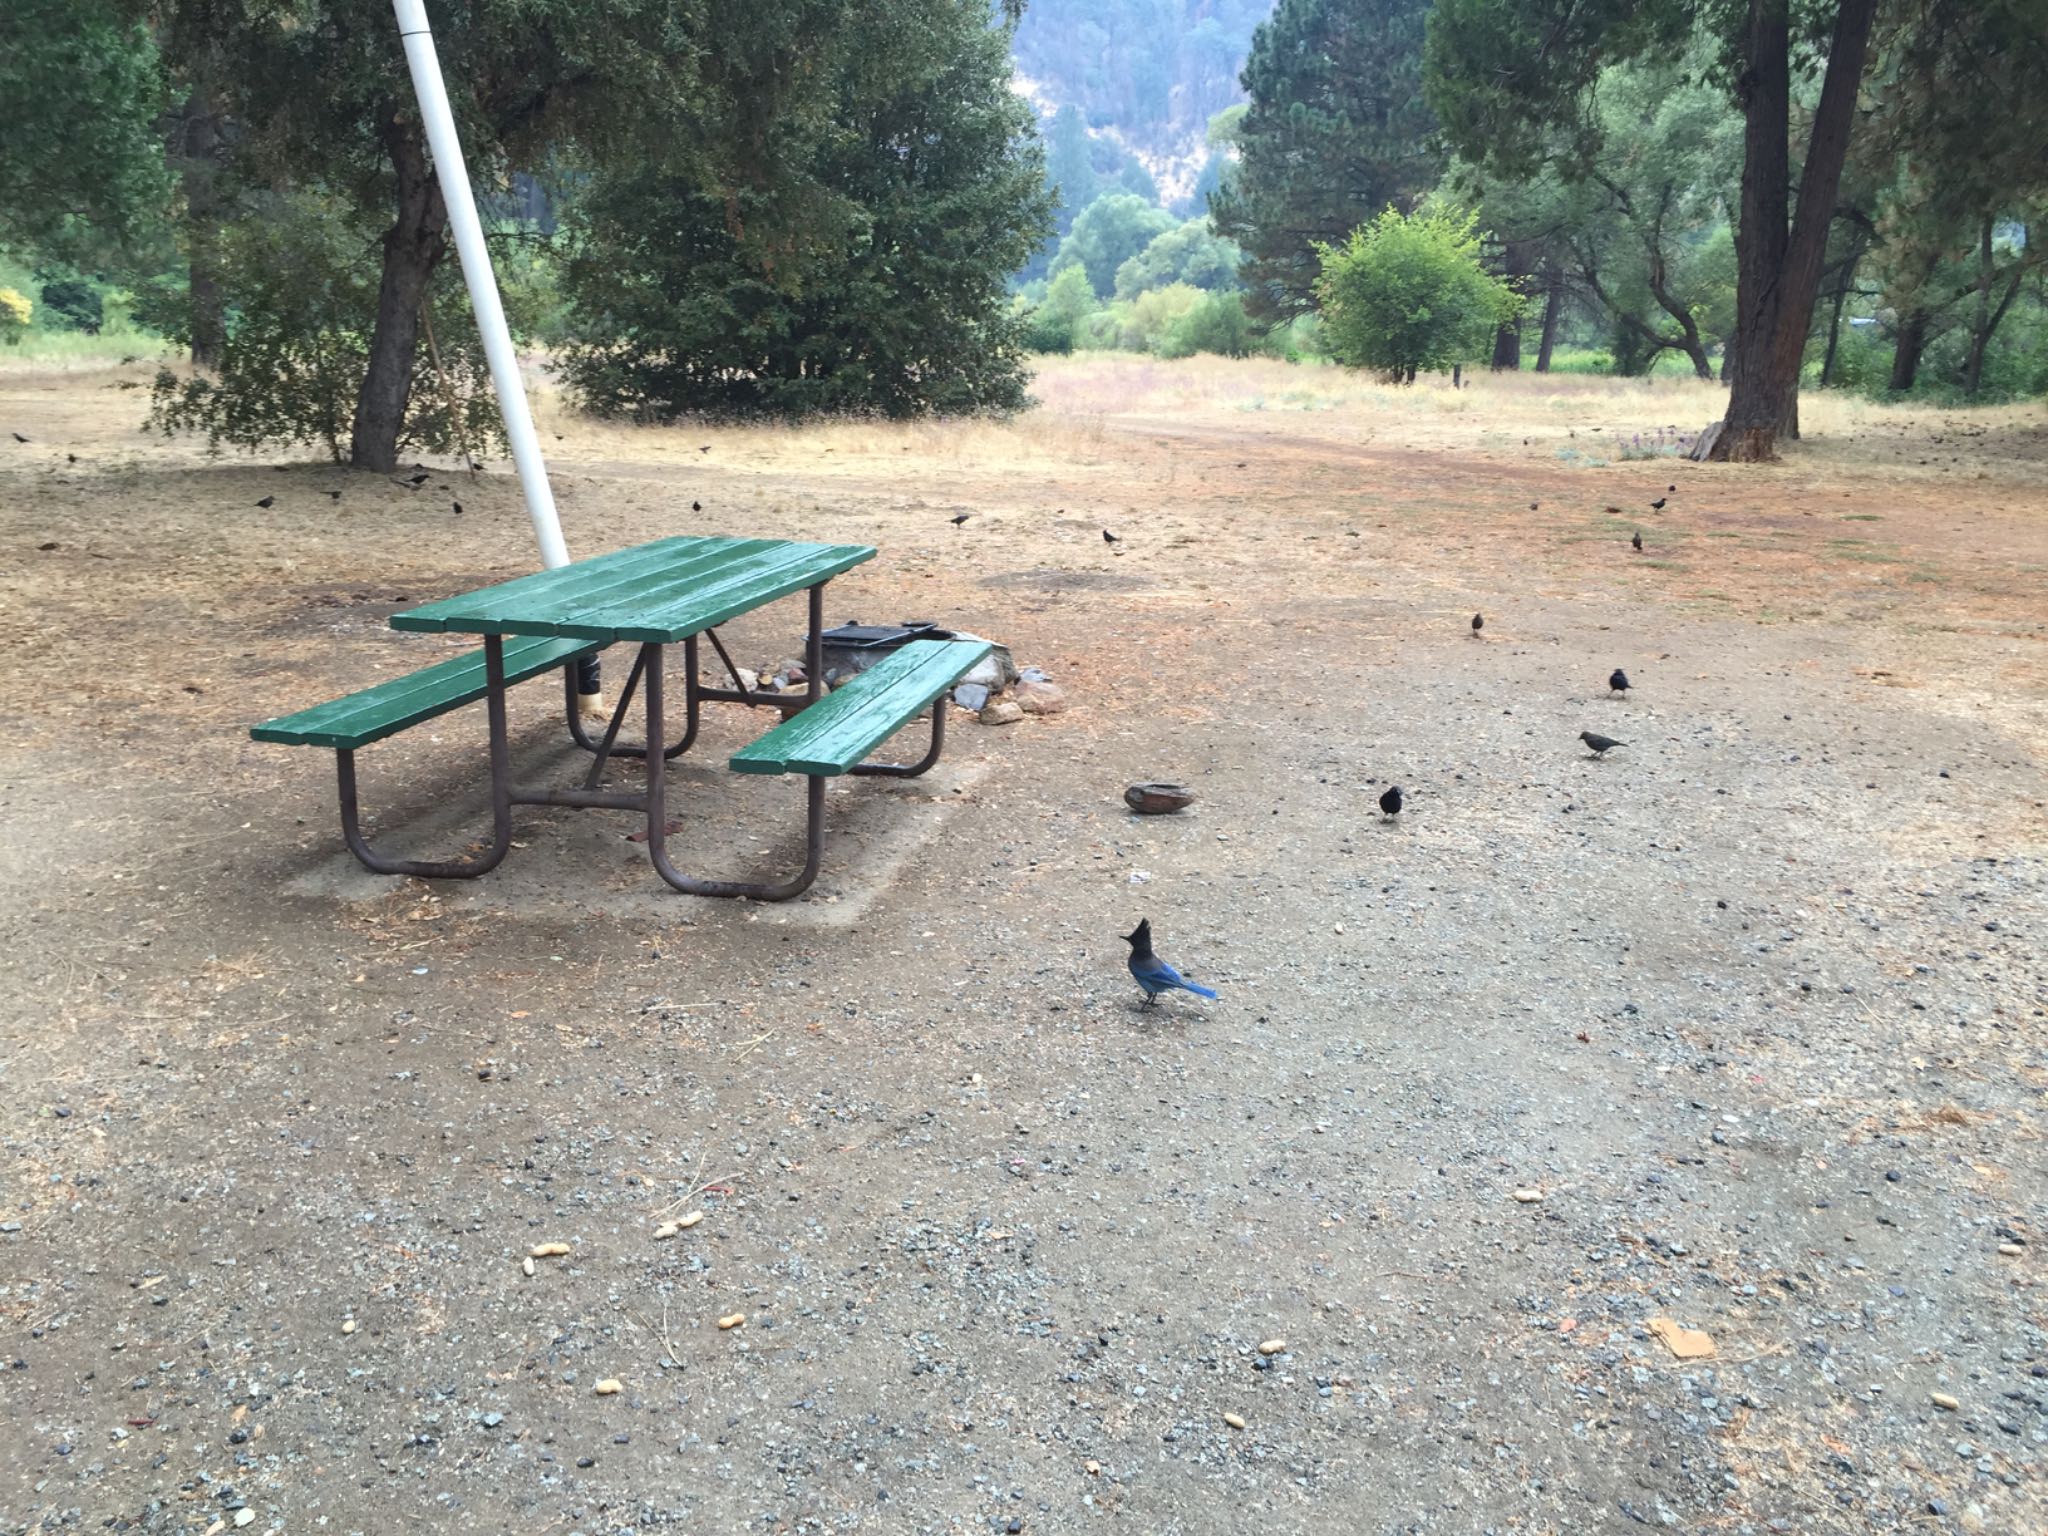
(458, 508)
(1637, 541)
(1390, 803)
(1478, 622)
(1599, 745)
(696, 506)
(334, 495)
(1670, 490)
(19, 438)
(958, 518)
(1110, 538)
(1151, 973)
(1617, 681)
(418, 479)
(1535, 506)
(267, 501)
(1657, 505)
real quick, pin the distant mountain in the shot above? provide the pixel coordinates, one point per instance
(1145, 76)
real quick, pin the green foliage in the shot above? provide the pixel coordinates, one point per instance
(1191, 254)
(1145, 322)
(1336, 130)
(1408, 293)
(929, 191)
(305, 277)
(82, 171)
(1068, 301)
(1110, 232)
(1216, 324)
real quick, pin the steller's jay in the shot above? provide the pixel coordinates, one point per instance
(1152, 973)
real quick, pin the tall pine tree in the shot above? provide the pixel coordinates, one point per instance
(1337, 130)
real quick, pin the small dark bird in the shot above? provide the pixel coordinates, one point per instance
(1671, 490)
(52, 544)
(1617, 681)
(19, 438)
(705, 449)
(1638, 541)
(268, 501)
(458, 508)
(475, 464)
(1599, 745)
(1478, 622)
(696, 506)
(1533, 506)
(70, 458)
(1657, 505)
(1390, 803)
(418, 479)
(961, 518)
(1110, 538)
(1150, 972)
(334, 495)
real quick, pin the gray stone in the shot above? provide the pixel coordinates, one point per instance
(970, 695)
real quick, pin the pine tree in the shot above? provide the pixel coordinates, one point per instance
(1337, 130)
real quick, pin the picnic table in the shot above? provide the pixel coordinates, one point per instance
(657, 595)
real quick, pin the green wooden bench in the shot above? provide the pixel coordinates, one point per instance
(834, 735)
(370, 714)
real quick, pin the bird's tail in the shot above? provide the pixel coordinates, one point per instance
(1198, 989)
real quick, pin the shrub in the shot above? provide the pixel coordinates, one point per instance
(1408, 293)
(1217, 324)
(15, 314)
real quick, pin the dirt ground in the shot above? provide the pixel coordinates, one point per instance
(1744, 1027)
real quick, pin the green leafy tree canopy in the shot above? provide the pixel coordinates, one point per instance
(1409, 293)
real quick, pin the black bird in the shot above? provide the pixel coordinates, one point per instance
(1657, 505)
(1671, 490)
(334, 495)
(19, 438)
(268, 501)
(1110, 538)
(696, 506)
(1638, 541)
(1533, 506)
(1598, 744)
(458, 508)
(1478, 622)
(1390, 803)
(957, 521)
(418, 479)
(70, 458)
(705, 449)
(1617, 681)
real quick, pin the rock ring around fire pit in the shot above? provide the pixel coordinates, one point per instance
(1158, 799)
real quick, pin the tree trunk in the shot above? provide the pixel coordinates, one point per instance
(1507, 341)
(1778, 270)
(1848, 280)
(413, 247)
(1553, 314)
(1906, 350)
(196, 152)
(1988, 316)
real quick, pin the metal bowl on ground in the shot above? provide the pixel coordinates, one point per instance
(1158, 799)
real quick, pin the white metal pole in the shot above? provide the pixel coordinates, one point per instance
(439, 122)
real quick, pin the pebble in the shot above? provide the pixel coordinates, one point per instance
(1234, 1420)
(2011, 1250)
(1528, 1196)
(689, 1219)
(349, 1326)
(732, 1320)
(526, 1265)
(1094, 1468)
(1944, 1401)
(547, 1250)
(493, 1420)
(1273, 1347)
(666, 1230)
(244, 1516)
(609, 1387)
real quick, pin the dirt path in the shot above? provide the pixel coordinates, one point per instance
(1755, 1005)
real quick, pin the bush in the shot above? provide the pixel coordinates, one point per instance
(1408, 293)
(15, 314)
(72, 304)
(1217, 324)
(1068, 300)
(1148, 317)
(305, 281)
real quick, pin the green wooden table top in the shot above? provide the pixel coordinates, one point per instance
(662, 592)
